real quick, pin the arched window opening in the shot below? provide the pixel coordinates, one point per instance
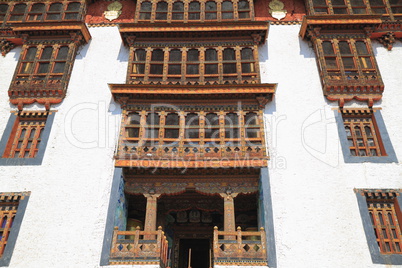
(211, 64)
(161, 11)
(172, 126)
(192, 126)
(194, 10)
(178, 11)
(229, 61)
(243, 9)
(212, 129)
(174, 62)
(17, 13)
(54, 12)
(145, 10)
(36, 12)
(210, 10)
(227, 10)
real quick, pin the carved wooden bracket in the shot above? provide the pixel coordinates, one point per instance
(5, 47)
(256, 38)
(387, 40)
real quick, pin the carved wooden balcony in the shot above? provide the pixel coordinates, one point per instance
(240, 248)
(139, 247)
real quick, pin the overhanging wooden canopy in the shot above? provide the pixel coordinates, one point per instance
(255, 30)
(346, 22)
(257, 94)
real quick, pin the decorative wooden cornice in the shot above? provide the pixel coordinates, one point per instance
(19, 32)
(339, 22)
(257, 94)
(254, 30)
(78, 31)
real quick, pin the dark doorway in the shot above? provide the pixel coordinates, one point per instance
(199, 253)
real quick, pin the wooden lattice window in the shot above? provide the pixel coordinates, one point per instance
(381, 7)
(26, 136)
(34, 11)
(188, 132)
(348, 60)
(8, 209)
(363, 135)
(187, 10)
(189, 65)
(43, 65)
(385, 216)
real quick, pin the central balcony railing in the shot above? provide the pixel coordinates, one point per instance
(229, 248)
(240, 248)
(139, 247)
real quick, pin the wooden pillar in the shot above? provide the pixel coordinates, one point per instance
(151, 211)
(229, 213)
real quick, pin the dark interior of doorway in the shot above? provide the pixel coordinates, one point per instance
(200, 250)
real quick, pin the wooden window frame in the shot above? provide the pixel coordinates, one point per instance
(12, 210)
(22, 143)
(363, 145)
(203, 77)
(184, 144)
(33, 78)
(8, 143)
(42, 16)
(385, 215)
(364, 7)
(142, 15)
(343, 74)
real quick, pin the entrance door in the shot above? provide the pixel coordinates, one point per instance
(199, 253)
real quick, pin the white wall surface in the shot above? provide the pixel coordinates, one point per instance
(316, 216)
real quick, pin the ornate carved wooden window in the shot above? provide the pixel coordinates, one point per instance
(348, 65)
(382, 7)
(43, 66)
(41, 11)
(187, 10)
(26, 136)
(184, 133)
(8, 209)
(385, 216)
(185, 65)
(363, 134)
